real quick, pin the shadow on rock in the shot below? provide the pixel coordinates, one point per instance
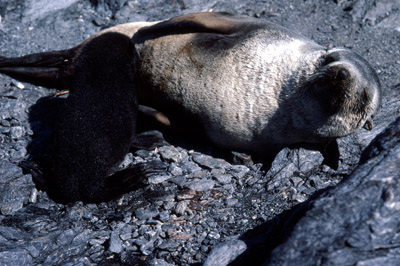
(356, 221)
(42, 117)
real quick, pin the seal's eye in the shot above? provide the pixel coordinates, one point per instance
(365, 97)
(330, 58)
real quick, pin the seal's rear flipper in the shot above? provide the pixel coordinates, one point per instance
(49, 69)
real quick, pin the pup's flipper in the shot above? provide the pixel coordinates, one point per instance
(148, 140)
(31, 167)
(130, 179)
(49, 69)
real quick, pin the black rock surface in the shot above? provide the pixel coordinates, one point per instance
(202, 201)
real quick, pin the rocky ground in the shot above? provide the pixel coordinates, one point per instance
(206, 209)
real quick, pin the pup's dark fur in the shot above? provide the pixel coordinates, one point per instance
(96, 125)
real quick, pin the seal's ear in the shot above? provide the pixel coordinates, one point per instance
(202, 22)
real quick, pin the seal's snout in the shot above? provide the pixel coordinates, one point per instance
(337, 78)
(343, 74)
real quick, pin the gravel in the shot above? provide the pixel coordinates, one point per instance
(206, 209)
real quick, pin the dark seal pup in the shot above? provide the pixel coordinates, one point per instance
(254, 86)
(96, 125)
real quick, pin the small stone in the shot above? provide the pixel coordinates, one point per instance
(179, 180)
(239, 171)
(225, 252)
(186, 194)
(163, 216)
(144, 214)
(175, 170)
(19, 85)
(181, 208)
(169, 245)
(144, 153)
(157, 179)
(214, 235)
(159, 262)
(147, 248)
(231, 202)
(190, 167)
(210, 162)
(296, 181)
(17, 132)
(202, 185)
(5, 123)
(115, 243)
(170, 153)
(223, 179)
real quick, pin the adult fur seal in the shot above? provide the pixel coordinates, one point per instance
(95, 127)
(254, 86)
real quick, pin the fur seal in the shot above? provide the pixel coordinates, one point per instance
(254, 86)
(95, 127)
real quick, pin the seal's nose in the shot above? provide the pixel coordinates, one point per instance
(342, 74)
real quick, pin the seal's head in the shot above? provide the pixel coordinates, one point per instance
(348, 92)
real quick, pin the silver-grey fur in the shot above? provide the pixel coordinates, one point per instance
(255, 88)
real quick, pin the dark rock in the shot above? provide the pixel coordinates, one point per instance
(355, 222)
(358, 220)
(225, 253)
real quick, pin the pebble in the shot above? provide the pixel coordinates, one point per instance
(190, 167)
(170, 153)
(223, 179)
(17, 132)
(145, 214)
(115, 243)
(210, 162)
(202, 185)
(181, 208)
(157, 179)
(175, 170)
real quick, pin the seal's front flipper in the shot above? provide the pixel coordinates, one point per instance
(154, 114)
(331, 154)
(49, 69)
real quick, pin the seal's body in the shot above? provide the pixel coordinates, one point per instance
(253, 85)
